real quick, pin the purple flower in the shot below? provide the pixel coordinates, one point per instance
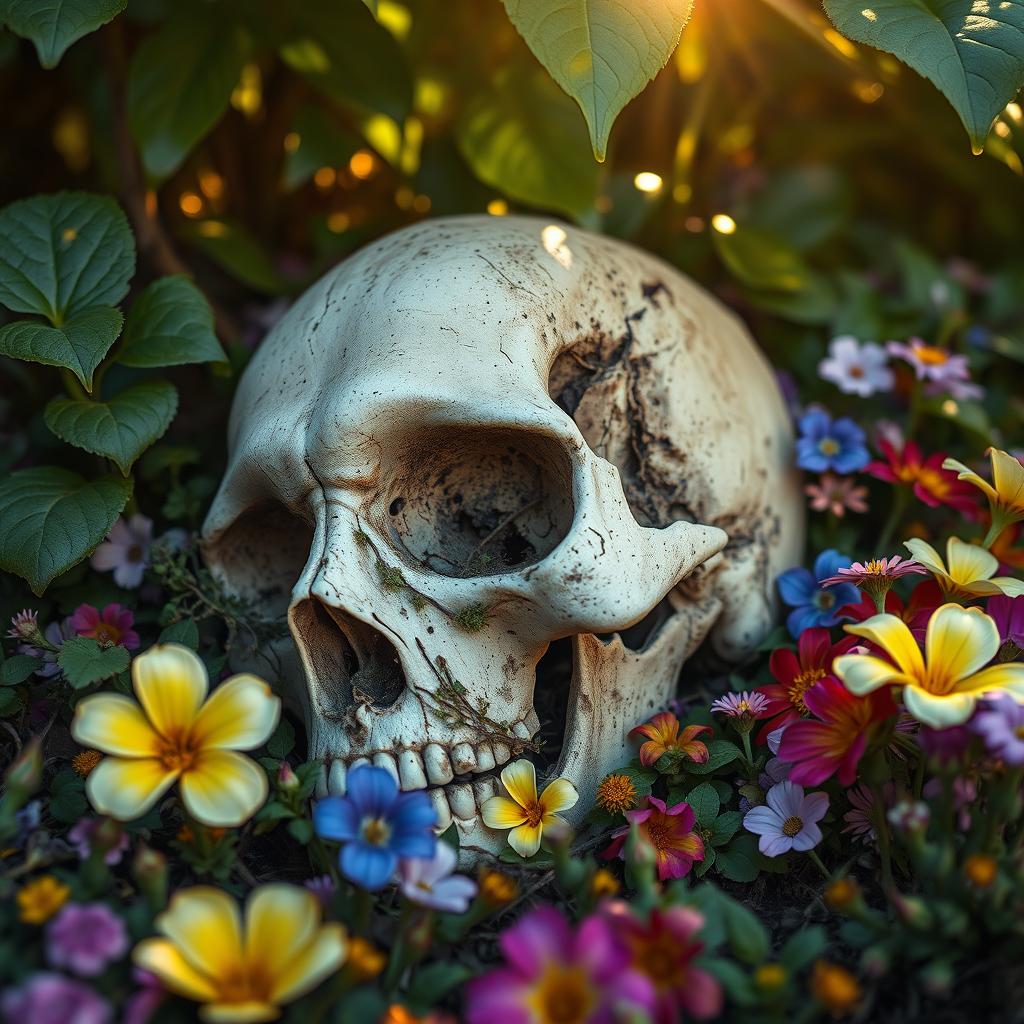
(824, 443)
(125, 551)
(856, 369)
(430, 882)
(944, 744)
(81, 837)
(146, 1000)
(1008, 613)
(1000, 724)
(789, 821)
(813, 604)
(47, 998)
(85, 937)
(945, 372)
(377, 824)
(55, 634)
(323, 888)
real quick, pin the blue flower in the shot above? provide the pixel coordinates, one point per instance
(825, 443)
(377, 824)
(812, 604)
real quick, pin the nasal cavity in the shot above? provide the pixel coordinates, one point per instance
(350, 661)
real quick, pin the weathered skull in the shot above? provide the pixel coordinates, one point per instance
(502, 477)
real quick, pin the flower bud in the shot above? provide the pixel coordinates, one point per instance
(937, 979)
(150, 871)
(286, 777)
(875, 961)
(770, 977)
(25, 774)
(835, 988)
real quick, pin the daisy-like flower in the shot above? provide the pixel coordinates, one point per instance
(969, 571)
(860, 819)
(837, 495)
(795, 673)
(178, 735)
(904, 464)
(109, 628)
(945, 372)
(789, 821)
(616, 794)
(742, 708)
(125, 552)
(242, 971)
(24, 626)
(1005, 494)
(855, 368)
(525, 813)
(430, 882)
(669, 831)
(943, 686)
(663, 736)
(877, 577)
(824, 443)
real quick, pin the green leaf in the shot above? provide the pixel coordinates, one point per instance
(301, 830)
(432, 983)
(17, 669)
(601, 52)
(803, 947)
(170, 324)
(972, 50)
(738, 862)
(282, 742)
(179, 84)
(61, 254)
(705, 803)
(83, 661)
(67, 800)
(720, 753)
(50, 519)
(54, 25)
(120, 429)
(239, 253)
(522, 137)
(184, 632)
(725, 827)
(10, 703)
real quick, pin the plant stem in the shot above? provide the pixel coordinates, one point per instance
(747, 749)
(882, 831)
(813, 854)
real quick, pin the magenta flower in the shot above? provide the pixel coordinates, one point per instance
(1000, 724)
(1008, 613)
(125, 552)
(146, 1000)
(81, 837)
(85, 937)
(856, 369)
(670, 833)
(555, 973)
(47, 998)
(789, 821)
(429, 881)
(109, 628)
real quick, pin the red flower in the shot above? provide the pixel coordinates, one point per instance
(662, 733)
(924, 599)
(112, 627)
(931, 483)
(669, 831)
(796, 672)
(835, 739)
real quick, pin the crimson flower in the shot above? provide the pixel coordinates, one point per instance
(663, 736)
(109, 628)
(930, 482)
(924, 599)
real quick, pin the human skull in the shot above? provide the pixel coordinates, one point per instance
(501, 477)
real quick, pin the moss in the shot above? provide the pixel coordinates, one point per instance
(390, 577)
(473, 617)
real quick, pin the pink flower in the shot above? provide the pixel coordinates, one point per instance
(866, 574)
(24, 625)
(945, 371)
(748, 704)
(47, 998)
(669, 831)
(110, 628)
(555, 973)
(146, 1000)
(429, 882)
(856, 369)
(789, 821)
(85, 937)
(125, 551)
(836, 494)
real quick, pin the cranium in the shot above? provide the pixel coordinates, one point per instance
(502, 477)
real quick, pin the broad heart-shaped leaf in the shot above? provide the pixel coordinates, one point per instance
(170, 324)
(79, 345)
(50, 519)
(601, 52)
(973, 50)
(180, 82)
(523, 137)
(63, 253)
(84, 661)
(121, 428)
(53, 25)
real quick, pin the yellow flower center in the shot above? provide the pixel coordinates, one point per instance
(178, 753)
(106, 635)
(376, 831)
(800, 685)
(931, 480)
(876, 567)
(931, 356)
(617, 793)
(828, 446)
(660, 961)
(534, 812)
(250, 983)
(792, 826)
(563, 996)
(85, 761)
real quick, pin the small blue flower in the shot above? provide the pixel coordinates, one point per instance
(812, 604)
(377, 824)
(825, 443)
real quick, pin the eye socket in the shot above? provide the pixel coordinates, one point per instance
(480, 503)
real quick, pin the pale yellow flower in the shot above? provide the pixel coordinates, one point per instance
(177, 734)
(526, 814)
(242, 972)
(969, 570)
(1006, 492)
(942, 686)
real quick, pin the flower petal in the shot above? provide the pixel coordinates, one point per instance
(170, 682)
(280, 921)
(125, 788)
(239, 1013)
(525, 839)
(785, 798)
(239, 715)
(893, 635)
(162, 958)
(924, 553)
(967, 563)
(373, 790)
(321, 957)
(960, 641)
(1008, 678)
(336, 818)
(1008, 477)
(762, 821)
(558, 795)
(114, 724)
(520, 779)
(368, 866)
(206, 927)
(863, 674)
(500, 812)
(939, 712)
(223, 788)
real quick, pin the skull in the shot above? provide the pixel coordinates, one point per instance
(501, 478)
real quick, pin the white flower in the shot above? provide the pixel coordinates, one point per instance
(856, 369)
(125, 551)
(430, 882)
(789, 821)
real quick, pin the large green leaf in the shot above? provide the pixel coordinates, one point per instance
(170, 324)
(50, 519)
(121, 429)
(83, 661)
(179, 84)
(79, 345)
(53, 25)
(523, 137)
(601, 52)
(973, 50)
(63, 253)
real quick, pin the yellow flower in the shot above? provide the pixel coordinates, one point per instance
(969, 570)
(835, 988)
(497, 888)
(178, 734)
(40, 900)
(526, 814)
(941, 687)
(616, 794)
(1006, 492)
(242, 972)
